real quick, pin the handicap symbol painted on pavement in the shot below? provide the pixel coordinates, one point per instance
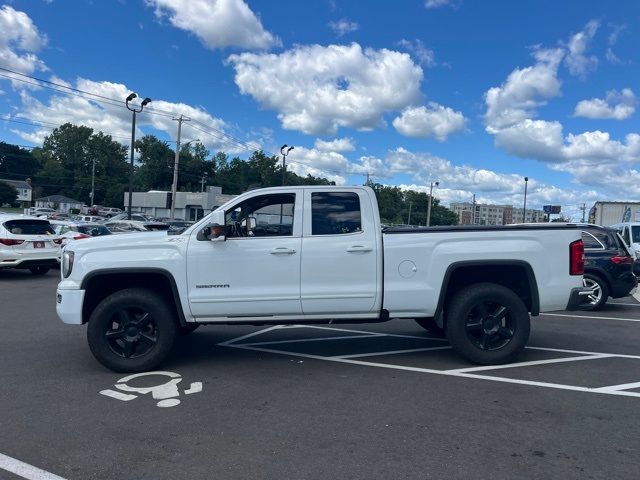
(166, 393)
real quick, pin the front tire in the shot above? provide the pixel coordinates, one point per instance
(39, 270)
(487, 324)
(600, 294)
(131, 330)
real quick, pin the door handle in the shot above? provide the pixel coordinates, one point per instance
(282, 251)
(359, 248)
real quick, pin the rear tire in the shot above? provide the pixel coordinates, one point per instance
(487, 324)
(131, 330)
(601, 292)
(40, 270)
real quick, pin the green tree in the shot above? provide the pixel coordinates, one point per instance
(155, 170)
(68, 155)
(399, 206)
(17, 163)
(8, 194)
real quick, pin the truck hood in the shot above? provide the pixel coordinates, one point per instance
(126, 241)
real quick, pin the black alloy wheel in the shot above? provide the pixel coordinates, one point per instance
(132, 333)
(487, 323)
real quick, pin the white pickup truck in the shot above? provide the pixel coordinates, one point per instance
(316, 255)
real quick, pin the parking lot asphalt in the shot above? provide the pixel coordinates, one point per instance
(380, 401)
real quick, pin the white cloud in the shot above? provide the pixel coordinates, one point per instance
(425, 56)
(217, 23)
(342, 27)
(524, 90)
(20, 40)
(616, 105)
(114, 119)
(316, 89)
(437, 3)
(512, 108)
(433, 120)
(576, 61)
(336, 145)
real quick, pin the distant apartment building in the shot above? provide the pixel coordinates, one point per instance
(486, 214)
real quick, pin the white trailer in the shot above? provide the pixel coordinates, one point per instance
(609, 213)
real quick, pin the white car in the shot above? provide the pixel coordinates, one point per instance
(28, 242)
(109, 212)
(42, 212)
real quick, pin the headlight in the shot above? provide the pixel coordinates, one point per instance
(67, 263)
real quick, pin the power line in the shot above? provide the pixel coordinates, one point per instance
(220, 135)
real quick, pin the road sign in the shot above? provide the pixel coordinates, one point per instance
(551, 209)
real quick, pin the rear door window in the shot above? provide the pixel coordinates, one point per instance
(29, 227)
(335, 213)
(590, 242)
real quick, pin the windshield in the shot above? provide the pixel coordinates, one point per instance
(29, 227)
(94, 230)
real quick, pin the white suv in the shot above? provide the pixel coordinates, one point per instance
(28, 242)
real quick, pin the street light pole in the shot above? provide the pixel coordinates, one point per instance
(93, 182)
(429, 207)
(284, 161)
(133, 141)
(524, 208)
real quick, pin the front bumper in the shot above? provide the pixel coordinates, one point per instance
(577, 297)
(31, 262)
(69, 305)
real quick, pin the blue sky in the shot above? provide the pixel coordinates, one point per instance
(472, 94)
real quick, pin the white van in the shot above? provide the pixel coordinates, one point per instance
(630, 233)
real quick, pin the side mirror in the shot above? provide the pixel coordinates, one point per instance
(213, 233)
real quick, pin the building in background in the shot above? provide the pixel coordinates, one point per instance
(190, 206)
(59, 203)
(487, 214)
(609, 213)
(25, 191)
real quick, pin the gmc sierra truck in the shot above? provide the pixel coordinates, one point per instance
(294, 255)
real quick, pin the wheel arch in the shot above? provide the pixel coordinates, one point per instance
(601, 274)
(101, 283)
(517, 275)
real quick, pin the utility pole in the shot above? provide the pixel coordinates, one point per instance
(204, 175)
(429, 207)
(583, 208)
(409, 219)
(176, 165)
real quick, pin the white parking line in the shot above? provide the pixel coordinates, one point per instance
(532, 363)
(590, 316)
(392, 352)
(25, 470)
(319, 339)
(622, 386)
(617, 390)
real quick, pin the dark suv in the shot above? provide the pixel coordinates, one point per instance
(608, 267)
